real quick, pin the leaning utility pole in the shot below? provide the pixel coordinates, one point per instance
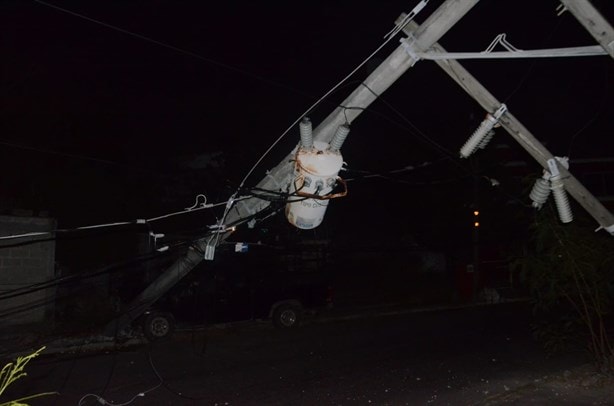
(392, 68)
(278, 179)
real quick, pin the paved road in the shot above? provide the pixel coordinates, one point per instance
(452, 357)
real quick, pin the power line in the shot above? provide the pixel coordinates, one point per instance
(339, 84)
(120, 223)
(35, 287)
(418, 133)
(174, 48)
(65, 154)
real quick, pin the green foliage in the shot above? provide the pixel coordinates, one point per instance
(570, 266)
(559, 335)
(12, 372)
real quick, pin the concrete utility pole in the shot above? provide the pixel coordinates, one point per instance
(593, 21)
(278, 179)
(519, 132)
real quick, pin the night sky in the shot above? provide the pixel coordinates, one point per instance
(100, 125)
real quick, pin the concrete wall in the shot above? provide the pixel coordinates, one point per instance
(22, 264)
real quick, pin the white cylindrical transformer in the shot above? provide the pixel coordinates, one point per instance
(315, 173)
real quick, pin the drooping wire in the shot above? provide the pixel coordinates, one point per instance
(68, 155)
(166, 385)
(168, 46)
(419, 134)
(103, 401)
(589, 122)
(364, 174)
(93, 273)
(448, 155)
(532, 66)
(188, 210)
(193, 209)
(324, 97)
(290, 127)
(389, 37)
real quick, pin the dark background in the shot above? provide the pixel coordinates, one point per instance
(99, 125)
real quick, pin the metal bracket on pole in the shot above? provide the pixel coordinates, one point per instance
(408, 45)
(553, 167)
(609, 229)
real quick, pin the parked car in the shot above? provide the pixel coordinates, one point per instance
(262, 283)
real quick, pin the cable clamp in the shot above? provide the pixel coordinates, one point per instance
(209, 252)
(560, 9)
(500, 111)
(553, 168)
(408, 46)
(609, 229)
(408, 17)
(231, 201)
(141, 221)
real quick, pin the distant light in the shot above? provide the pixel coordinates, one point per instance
(476, 224)
(476, 213)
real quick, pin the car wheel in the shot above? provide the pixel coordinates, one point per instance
(158, 326)
(287, 316)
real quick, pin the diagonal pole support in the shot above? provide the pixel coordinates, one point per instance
(521, 134)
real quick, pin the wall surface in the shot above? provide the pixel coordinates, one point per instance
(24, 263)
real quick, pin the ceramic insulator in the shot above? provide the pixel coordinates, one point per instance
(540, 192)
(561, 200)
(306, 133)
(340, 136)
(478, 137)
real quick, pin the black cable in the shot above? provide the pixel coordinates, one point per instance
(447, 153)
(597, 114)
(279, 198)
(77, 156)
(533, 64)
(174, 48)
(57, 281)
(69, 374)
(166, 385)
(77, 277)
(419, 134)
(86, 229)
(346, 108)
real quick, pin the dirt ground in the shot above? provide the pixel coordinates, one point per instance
(577, 386)
(385, 356)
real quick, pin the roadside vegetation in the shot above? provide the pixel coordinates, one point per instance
(569, 269)
(12, 372)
